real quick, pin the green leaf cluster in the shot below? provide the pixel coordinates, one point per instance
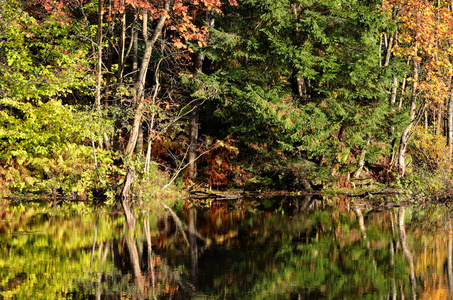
(40, 58)
(47, 148)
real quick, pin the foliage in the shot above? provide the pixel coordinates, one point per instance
(305, 79)
(431, 175)
(40, 59)
(50, 155)
(326, 85)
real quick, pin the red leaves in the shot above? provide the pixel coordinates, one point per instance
(181, 18)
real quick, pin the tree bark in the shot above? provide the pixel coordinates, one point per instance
(139, 143)
(193, 137)
(405, 136)
(194, 116)
(135, 51)
(450, 126)
(140, 83)
(121, 54)
(362, 158)
(97, 93)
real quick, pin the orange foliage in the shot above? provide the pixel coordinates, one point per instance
(180, 17)
(424, 38)
(218, 167)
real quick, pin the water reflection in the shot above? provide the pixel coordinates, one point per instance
(294, 248)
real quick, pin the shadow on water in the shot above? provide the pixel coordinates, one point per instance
(306, 247)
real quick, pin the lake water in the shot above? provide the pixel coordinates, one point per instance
(294, 248)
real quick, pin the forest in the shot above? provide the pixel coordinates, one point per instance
(215, 94)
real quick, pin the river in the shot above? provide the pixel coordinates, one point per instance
(293, 248)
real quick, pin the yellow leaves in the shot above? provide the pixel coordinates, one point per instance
(424, 36)
(178, 44)
(432, 149)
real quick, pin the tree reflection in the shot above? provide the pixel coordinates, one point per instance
(309, 250)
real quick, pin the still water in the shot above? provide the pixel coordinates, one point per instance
(301, 249)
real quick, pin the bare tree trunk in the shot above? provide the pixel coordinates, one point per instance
(405, 136)
(389, 49)
(140, 83)
(139, 144)
(97, 93)
(111, 40)
(426, 120)
(438, 125)
(450, 126)
(121, 54)
(151, 126)
(362, 158)
(135, 51)
(193, 136)
(194, 116)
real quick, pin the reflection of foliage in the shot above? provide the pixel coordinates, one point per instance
(43, 253)
(317, 255)
(47, 254)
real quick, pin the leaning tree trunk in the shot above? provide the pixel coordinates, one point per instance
(406, 134)
(140, 84)
(97, 93)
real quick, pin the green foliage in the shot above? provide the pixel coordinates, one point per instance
(40, 58)
(47, 148)
(330, 46)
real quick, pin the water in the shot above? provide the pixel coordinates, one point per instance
(302, 249)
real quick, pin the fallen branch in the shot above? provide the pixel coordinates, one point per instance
(204, 195)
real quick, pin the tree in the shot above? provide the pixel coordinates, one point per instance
(307, 79)
(183, 25)
(424, 41)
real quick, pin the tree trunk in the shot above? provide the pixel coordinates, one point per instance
(405, 136)
(140, 84)
(135, 51)
(193, 136)
(194, 117)
(450, 126)
(438, 125)
(139, 144)
(121, 56)
(151, 125)
(362, 158)
(111, 39)
(97, 93)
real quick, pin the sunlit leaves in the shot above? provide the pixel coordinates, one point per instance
(42, 58)
(425, 39)
(42, 148)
